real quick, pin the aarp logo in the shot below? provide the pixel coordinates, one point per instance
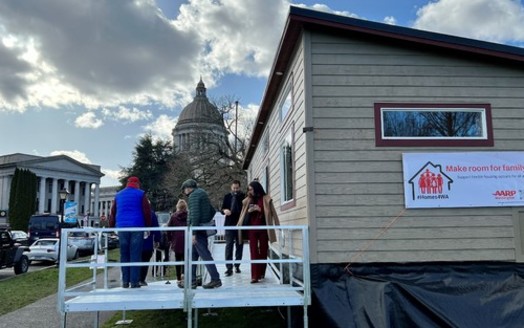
(505, 194)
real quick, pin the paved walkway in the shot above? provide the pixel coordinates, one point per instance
(43, 313)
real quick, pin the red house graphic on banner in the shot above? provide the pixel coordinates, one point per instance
(430, 180)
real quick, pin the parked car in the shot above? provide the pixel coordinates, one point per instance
(112, 240)
(12, 253)
(84, 241)
(46, 226)
(46, 249)
(20, 237)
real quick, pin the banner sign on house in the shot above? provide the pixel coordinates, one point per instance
(467, 179)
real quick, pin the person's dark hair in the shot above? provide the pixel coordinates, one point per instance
(258, 190)
(236, 182)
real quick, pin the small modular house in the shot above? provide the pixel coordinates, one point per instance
(402, 150)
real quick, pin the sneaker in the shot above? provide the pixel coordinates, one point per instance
(125, 285)
(142, 283)
(213, 284)
(237, 270)
(180, 284)
(228, 273)
(135, 285)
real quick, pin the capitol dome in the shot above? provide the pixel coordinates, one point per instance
(200, 110)
(200, 125)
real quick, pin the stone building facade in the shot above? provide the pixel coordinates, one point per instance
(54, 173)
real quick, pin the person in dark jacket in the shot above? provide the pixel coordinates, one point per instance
(199, 209)
(150, 243)
(231, 208)
(130, 209)
(176, 238)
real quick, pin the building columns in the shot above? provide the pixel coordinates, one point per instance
(42, 195)
(97, 200)
(77, 194)
(6, 190)
(54, 196)
(87, 195)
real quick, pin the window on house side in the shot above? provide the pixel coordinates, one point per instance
(285, 105)
(433, 125)
(286, 176)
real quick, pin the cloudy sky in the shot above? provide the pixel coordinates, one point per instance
(88, 78)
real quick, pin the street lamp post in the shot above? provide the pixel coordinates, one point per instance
(63, 197)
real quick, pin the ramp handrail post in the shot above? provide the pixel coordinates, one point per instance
(306, 272)
(62, 270)
(188, 273)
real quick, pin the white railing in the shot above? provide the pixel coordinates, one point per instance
(291, 250)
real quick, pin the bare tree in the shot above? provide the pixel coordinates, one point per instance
(212, 160)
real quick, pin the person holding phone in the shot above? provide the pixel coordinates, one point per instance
(258, 209)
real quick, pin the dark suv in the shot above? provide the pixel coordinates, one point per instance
(46, 226)
(12, 253)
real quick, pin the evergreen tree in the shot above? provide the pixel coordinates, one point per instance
(150, 162)
(22, 198)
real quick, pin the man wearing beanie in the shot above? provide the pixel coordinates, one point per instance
(130, 209)
(199, 211)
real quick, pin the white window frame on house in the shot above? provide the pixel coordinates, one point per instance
(286, 102)
(287, 172)
(265, 144)
(484, 135)
(264, 179)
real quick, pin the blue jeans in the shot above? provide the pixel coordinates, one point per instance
(131, 251)
(200, 250)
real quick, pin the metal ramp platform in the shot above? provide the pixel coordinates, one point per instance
(279, 288)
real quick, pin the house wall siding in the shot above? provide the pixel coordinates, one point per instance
(360, 214)
(277, 131)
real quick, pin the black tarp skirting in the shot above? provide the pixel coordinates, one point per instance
(487, 294)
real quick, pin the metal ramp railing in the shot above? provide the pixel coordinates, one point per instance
(288, 262)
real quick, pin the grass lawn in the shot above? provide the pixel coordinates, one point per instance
(27, 288)
(261, 317)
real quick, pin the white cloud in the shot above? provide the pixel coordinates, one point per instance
(92, 53)
(390, 20)
(237, 36)
(496, 21)
(112, 174)
(327, 9)
(125, 114)
(128, 54)
(162, 127)
(74, 154)
(97, 54)
(88, 120)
